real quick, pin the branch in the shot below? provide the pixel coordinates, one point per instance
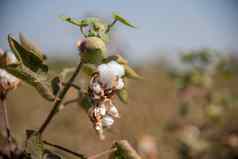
(71, 101)
(59, 101)
(4, 122)
(65, 149)
(102, 153)
(111, 25)
(72, 85)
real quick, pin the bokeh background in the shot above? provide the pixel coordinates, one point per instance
(164, 30)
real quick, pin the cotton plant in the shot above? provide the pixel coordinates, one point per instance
(107, 76)
(196, 88)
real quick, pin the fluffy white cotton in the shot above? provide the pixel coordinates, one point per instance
(120, 83)
(107, 121)
(117, 69)
(113, 111)
(108, 73)
(96, 87)
(100, 110)
(11, 57)
(5, 77)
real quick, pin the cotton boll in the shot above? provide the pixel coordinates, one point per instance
(11, 57)
(100, 110)
(96, 87)
(113, 111)
(107, 121)
(120, 83)
(7, 81)
(105, 74)
(117, 69)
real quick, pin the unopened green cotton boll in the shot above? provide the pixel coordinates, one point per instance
(92, 50)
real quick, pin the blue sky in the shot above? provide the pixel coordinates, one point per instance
(162, 24)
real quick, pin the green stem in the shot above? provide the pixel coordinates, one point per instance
(110, 26)
(59, 100)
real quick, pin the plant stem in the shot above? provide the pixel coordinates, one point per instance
(4, 116)
(102, 153)
(110, 26)
(60, 99)
(73, 85)
(65, 149)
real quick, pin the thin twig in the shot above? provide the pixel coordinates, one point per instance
(65, 149)
(72, 85)
(59, 101)
(75, 100)
(110, 26)
(4, 114)
(102, 153)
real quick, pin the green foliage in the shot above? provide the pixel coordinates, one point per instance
(34, 145)
(123, 20)
(130, 73)
(89, 69)
(123, 95)
(86, 102)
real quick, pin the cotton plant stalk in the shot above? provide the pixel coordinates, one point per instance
(107, 79)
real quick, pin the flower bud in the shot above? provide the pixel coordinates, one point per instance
(92, 50)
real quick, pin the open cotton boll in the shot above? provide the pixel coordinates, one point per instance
(113, 111)
(117, 69)
(96, 87)
(106, 75)
(11, 57)
(7, 81)
(107, 121)
(120, 83)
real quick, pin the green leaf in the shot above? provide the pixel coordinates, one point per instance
(80, 23)
(88, 69)
(123, 95)
(86, 102)
(27, 57)
(122, 20)
(31, 78)
(130, 73)
(34, 145)
(74, 21)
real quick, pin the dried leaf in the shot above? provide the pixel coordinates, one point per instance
(27, 44)
(124, 151)
(27, 57)
(33, 79)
